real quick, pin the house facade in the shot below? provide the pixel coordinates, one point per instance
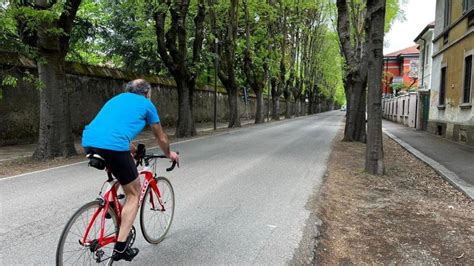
(425, 46)
(451, 90)
(400, 70)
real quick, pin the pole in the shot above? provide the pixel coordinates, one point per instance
(268, 100)
(216, 65)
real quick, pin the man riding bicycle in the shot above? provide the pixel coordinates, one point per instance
(110, 135)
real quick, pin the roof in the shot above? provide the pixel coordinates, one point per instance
(407, 51)
(427, 28)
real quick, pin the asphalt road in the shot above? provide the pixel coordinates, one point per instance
(240, 198)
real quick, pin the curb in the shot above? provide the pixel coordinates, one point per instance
(447, 174)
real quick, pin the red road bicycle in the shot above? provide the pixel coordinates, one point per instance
(90, 234)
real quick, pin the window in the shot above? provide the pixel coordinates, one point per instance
(467, 79)
(467, 5)
(470, 20)
(447, 12)
(442, 87)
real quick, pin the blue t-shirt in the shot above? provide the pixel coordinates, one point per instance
(119, 122)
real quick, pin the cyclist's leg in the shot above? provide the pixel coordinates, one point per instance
(123, 168)
(130, 209)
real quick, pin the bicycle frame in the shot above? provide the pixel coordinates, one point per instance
(110, 195)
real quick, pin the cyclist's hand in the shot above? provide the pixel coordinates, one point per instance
(133, 149)
(174, 156)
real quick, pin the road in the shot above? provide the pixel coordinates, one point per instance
(240, 198)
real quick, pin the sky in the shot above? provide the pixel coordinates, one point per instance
(418, 14)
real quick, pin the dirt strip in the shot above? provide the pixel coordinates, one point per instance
(409, 216)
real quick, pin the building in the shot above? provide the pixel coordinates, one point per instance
(400, 70)
(425, 46)
(451, 90)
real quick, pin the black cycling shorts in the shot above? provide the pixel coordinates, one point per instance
(120, 163)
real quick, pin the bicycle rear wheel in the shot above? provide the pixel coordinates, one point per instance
(71, 251)
(155, 221)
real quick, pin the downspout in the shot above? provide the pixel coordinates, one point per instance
(423, 63)
(418, 112)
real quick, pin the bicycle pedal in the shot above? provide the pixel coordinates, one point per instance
(131, 237)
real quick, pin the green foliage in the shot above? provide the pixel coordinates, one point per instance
(121, 34)
(9, 81)
(393, 13)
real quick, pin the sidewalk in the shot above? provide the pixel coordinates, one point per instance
(454, 161)
(8, 153)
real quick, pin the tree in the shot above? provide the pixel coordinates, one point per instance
(350, 24)
(257, 53)
(375, 31)
(173, 50)
(353, 41)
(45, 27)
(225, 15)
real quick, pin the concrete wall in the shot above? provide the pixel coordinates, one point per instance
(89, 88)
(401, 109)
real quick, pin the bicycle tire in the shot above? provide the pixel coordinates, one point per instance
(67, 231)
(167, 195)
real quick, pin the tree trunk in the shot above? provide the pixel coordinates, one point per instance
(55, 133)
(256, 77)
(302, 106)
(173, 50)
(233, 100)
(227, 73)
(275, 100)
(288, 108)
(356, 80)
(259, 118)
(375, 29)
(355, 120)
(185, 125)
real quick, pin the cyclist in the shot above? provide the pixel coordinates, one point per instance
(110, 134)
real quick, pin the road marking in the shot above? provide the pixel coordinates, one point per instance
(171, 144)
(78, 163)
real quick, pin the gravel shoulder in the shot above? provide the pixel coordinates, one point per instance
(409, 216)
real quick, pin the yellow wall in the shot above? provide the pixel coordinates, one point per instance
(454, 54)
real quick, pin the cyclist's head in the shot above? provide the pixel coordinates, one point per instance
(139, 86)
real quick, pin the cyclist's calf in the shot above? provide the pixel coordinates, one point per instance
(129, 212)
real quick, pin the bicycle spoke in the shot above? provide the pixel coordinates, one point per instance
(70, 250)
(155, 223)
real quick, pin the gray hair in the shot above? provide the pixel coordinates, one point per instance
(138, 86)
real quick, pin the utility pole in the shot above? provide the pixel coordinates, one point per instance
(216, 68)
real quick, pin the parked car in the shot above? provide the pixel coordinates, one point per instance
(343, 108)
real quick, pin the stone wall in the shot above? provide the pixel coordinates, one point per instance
(89, 88)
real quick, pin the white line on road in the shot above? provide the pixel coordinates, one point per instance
(72, 164)
(155, 147)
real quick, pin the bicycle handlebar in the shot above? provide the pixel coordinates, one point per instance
(141, 155)
(154, 156)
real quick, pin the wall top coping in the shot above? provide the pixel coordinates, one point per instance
(14, 59)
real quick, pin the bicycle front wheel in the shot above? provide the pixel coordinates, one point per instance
(155, 219)
(73, 250)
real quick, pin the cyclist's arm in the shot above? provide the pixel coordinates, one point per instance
(163, 141)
